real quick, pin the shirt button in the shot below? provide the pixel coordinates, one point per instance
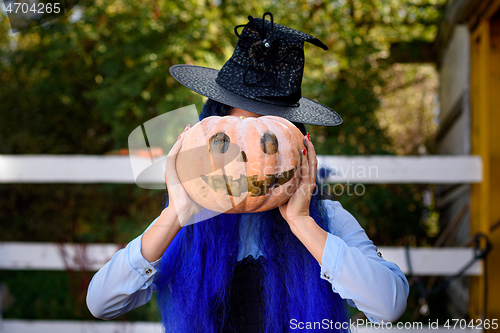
(148, 271)
(379, 254)
(326, 276)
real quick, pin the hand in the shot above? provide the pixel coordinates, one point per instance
(177, 196)
(298, 205)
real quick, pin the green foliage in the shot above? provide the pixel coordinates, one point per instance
(80, 87)
(58, 295)
(84, 86)
(390, 214)
(76, 213)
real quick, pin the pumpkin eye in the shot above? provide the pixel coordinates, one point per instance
(242, 157)
(219, 143)
(269, 143)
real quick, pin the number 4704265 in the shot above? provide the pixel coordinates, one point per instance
(40, 8)
(473, 324)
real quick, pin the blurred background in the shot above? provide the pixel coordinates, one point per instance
(409, 78)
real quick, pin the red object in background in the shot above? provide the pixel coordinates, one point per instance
(154, 151)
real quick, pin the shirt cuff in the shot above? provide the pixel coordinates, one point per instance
(332, 254)
(331, 258)
(145, 268)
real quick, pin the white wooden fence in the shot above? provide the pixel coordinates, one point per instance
(117, 169)
(91, 257)
(360, 169)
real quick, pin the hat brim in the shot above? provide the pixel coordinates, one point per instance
(202, 81)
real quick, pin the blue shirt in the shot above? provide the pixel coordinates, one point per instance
(350, 262)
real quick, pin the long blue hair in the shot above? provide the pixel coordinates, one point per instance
(196, 270)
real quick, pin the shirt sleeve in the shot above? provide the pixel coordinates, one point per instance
(123, 283)
(351, 263)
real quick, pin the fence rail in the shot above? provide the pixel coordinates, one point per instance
(360, 169)
(51, 256)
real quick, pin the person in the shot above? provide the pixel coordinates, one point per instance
(292, 267)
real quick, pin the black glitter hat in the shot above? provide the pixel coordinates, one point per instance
(263, 76)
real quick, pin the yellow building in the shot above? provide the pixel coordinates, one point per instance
(468, 56)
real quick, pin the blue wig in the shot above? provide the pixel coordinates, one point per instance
(196, 270)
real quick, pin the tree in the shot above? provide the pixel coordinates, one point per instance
(80, 84)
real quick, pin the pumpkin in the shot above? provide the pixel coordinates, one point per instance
(263, 173)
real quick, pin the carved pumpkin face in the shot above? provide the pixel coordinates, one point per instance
(264, 174)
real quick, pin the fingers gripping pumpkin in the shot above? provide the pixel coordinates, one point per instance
(263, 176)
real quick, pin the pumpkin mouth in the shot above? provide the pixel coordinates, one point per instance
(250, 184)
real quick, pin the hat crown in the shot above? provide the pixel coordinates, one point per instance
(268, 62)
